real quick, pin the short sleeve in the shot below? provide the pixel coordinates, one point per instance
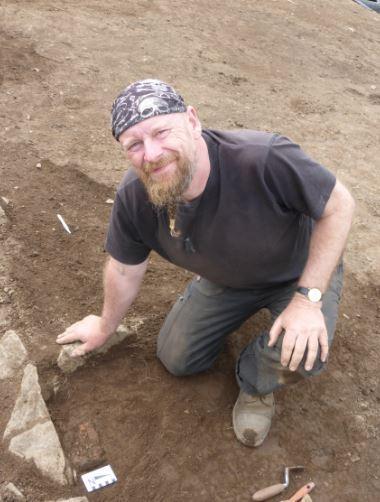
(296, 181)
(123, 241)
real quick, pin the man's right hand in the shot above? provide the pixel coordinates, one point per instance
(88, 331)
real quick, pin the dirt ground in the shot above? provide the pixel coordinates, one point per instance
(309, 70)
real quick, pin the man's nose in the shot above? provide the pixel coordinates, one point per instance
(152, 150)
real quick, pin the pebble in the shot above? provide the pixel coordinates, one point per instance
(87, 452)
(9, 492)
(3, 217)
(12, 354)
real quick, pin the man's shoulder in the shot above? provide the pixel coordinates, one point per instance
(240, 137)
(242, 148)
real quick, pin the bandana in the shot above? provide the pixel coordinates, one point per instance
(140, 101)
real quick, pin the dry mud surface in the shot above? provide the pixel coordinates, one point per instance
(309, 70)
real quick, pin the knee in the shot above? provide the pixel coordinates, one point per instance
(174, 361)
(318, 368)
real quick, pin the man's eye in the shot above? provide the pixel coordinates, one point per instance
(162, 132)
(133, 147)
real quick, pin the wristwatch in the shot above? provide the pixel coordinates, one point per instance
(312, 294)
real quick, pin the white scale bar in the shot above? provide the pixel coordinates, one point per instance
(99, 478)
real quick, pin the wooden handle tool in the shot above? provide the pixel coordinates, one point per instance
(268, 492)
(301, 493)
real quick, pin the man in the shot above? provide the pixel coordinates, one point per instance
(259, 222)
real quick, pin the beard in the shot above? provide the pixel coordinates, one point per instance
(167, 191)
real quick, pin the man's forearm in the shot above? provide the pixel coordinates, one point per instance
(121, 285)
(328, 240)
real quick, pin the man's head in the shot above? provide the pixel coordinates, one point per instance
(158, 134)
(142, 100)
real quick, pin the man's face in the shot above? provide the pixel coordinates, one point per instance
(162, 151)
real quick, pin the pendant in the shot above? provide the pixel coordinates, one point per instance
(173, 232)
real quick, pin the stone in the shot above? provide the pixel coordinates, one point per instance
(12, 354)
(10, 493)
(30, 407)
(41, 445)
(69, 364)
(86, 451)
(75, 499)
(3, 216)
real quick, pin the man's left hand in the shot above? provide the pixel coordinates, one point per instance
(305, 329)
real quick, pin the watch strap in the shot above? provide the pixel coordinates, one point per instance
(312, 294)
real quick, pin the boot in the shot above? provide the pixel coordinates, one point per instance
(252, 417)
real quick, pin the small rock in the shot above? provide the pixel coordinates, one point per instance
(69, 364)
(75, 499)
(109, 201)
(355, 458)
(86, 451)
(30, 406)
(3, 216)
(345, 316)
(39, 165)
(41, 444)
(12, 354)
(5, 200)
(9, 493)
(66, 362)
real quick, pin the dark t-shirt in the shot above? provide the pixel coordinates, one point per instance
(250, 227)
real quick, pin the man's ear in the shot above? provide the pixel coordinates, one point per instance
(194, 121)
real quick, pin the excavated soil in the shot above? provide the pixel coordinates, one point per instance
(309, 70)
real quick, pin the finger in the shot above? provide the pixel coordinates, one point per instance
(68, 330)
(298, 352)
(323, 342)
(275, 332)
(312, 351)
(287, 347)
(68, 337)
(80, 351)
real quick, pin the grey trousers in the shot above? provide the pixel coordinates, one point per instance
(195, 330)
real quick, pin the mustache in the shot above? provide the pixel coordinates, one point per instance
(163, 161)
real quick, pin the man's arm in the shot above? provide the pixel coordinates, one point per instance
(121, 285)
(303, 320)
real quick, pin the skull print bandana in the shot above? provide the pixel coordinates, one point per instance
(140, 101)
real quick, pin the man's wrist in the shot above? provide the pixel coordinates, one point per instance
(107, 328)
(314, 295)
(304, 301)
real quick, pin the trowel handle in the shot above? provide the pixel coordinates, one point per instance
(268, 492)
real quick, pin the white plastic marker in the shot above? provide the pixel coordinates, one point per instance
(64, 224)
(99, 478)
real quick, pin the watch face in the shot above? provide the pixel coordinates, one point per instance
(314, 295)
